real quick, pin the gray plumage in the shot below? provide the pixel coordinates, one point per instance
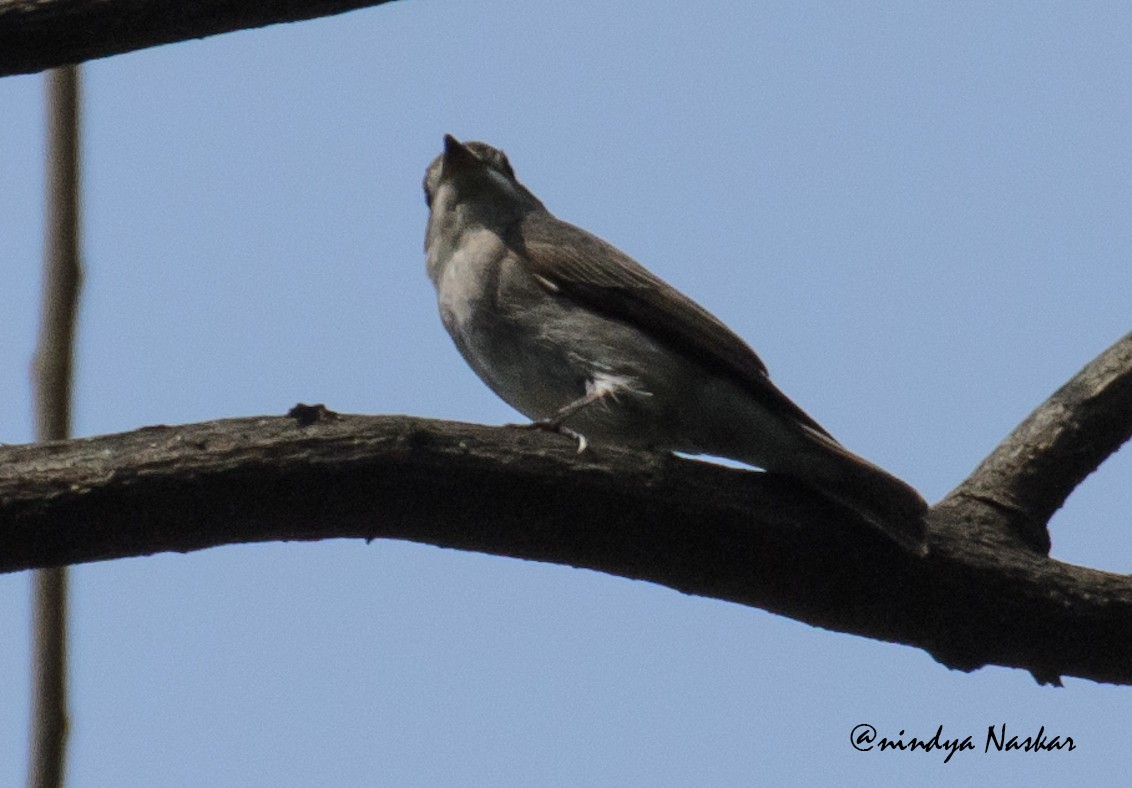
(578, 336)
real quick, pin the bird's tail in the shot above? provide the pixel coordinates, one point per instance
(887, 503)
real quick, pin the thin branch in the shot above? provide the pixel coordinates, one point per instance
(53, 372)
(36, 35)
(54, 358)
(756, 539)
(1031, 473)
(49, 726)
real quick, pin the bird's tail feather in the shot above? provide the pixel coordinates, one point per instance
(887, 503)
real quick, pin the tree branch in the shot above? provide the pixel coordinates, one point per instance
(981, 596)
(52, 368)
(40, 34)
(1030, 474)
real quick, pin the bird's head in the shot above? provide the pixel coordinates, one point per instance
(472, 182)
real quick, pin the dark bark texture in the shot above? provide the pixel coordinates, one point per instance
(984, 595)
(36, 35)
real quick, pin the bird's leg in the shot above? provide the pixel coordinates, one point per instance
(595, 391)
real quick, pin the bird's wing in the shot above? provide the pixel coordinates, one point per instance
(580, 266)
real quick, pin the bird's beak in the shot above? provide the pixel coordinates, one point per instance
(457, 157)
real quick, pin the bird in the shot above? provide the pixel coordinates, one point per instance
(584, 340)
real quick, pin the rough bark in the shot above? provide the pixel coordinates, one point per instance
(984, 594)
(36, 35)
(1030, 474)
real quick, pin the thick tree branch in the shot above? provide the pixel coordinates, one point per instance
(981, 597)
(1030, 474)
(36, 35)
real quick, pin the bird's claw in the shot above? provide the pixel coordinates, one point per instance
(551, 425)
(579, 437)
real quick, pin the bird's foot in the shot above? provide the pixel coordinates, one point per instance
(555, 426)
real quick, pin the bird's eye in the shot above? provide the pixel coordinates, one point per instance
(427, 192)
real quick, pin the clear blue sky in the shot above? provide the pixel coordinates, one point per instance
(921, 217)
